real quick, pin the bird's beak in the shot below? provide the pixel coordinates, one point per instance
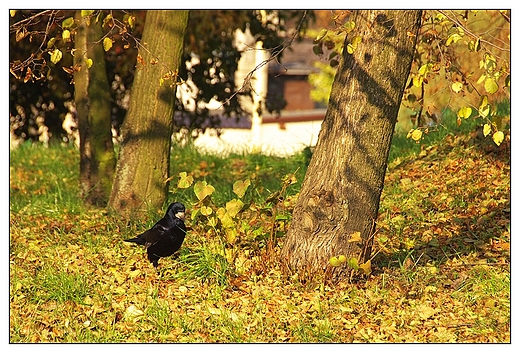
(181, 215)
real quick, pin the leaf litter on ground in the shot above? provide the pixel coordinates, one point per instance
(440, 274)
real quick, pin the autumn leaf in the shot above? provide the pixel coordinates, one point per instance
(498, 137)
(464, 112)
(65, 35)
(487, 129)
(416, 135)
(490, 85)
(366, 267)
(88, 63)
(202, 190)
(107, 44)
(233, 207)
(334, 261)
(56, 56)
(185, 180)
(456, 87)
(206, 211)
(240, 187)
(355, 237)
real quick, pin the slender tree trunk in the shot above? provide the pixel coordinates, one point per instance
(92, 97)
(342, 188)
(144, 160)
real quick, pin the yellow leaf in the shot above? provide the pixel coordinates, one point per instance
(456, 87)
(342, 258)
(231, 235)
(12, 12)
(464, 112)
(416, 135)
(418, 81)
(233, 207)
(56, 56)
(107, 44)
(490, 85)
(354, 237)
(366, 267)
(185, 180)
(321, 35)
(206, 211)
(65, 35)
(498, 137)
(487, 129)
(202, 190)
(240, 187)
(88, 62)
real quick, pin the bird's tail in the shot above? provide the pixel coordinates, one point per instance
(136, 240)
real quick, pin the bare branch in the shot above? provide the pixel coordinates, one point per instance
(275, 52)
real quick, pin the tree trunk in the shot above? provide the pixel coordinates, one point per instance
(92, 97)
(144, 160)
(342, 188)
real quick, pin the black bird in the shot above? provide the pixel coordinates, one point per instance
(166, 236)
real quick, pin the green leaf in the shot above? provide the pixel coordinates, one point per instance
(334, 261)
(318, 49)
(490, 85)
(240, 187)
(107, 44)
(85, 13)
(464, 112)
(67, 23)
(56, 56)
(353, 263)
(185, 180)
(203, 190)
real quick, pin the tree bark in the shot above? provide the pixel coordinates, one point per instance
(144, 160)
(92, 97)
(342, 188)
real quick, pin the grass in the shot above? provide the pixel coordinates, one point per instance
(440, 274)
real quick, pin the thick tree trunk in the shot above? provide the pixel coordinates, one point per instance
(92, 97)
(144, 160)
(341, 191)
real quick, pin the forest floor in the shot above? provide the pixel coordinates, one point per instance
(440, 271)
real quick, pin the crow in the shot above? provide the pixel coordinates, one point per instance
(166, 236)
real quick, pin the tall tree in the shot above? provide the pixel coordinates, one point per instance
(338, 204)
(93, 105)
(144, 159)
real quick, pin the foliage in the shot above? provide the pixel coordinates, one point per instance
(40, 63)
(462, 63)
(441, 273)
